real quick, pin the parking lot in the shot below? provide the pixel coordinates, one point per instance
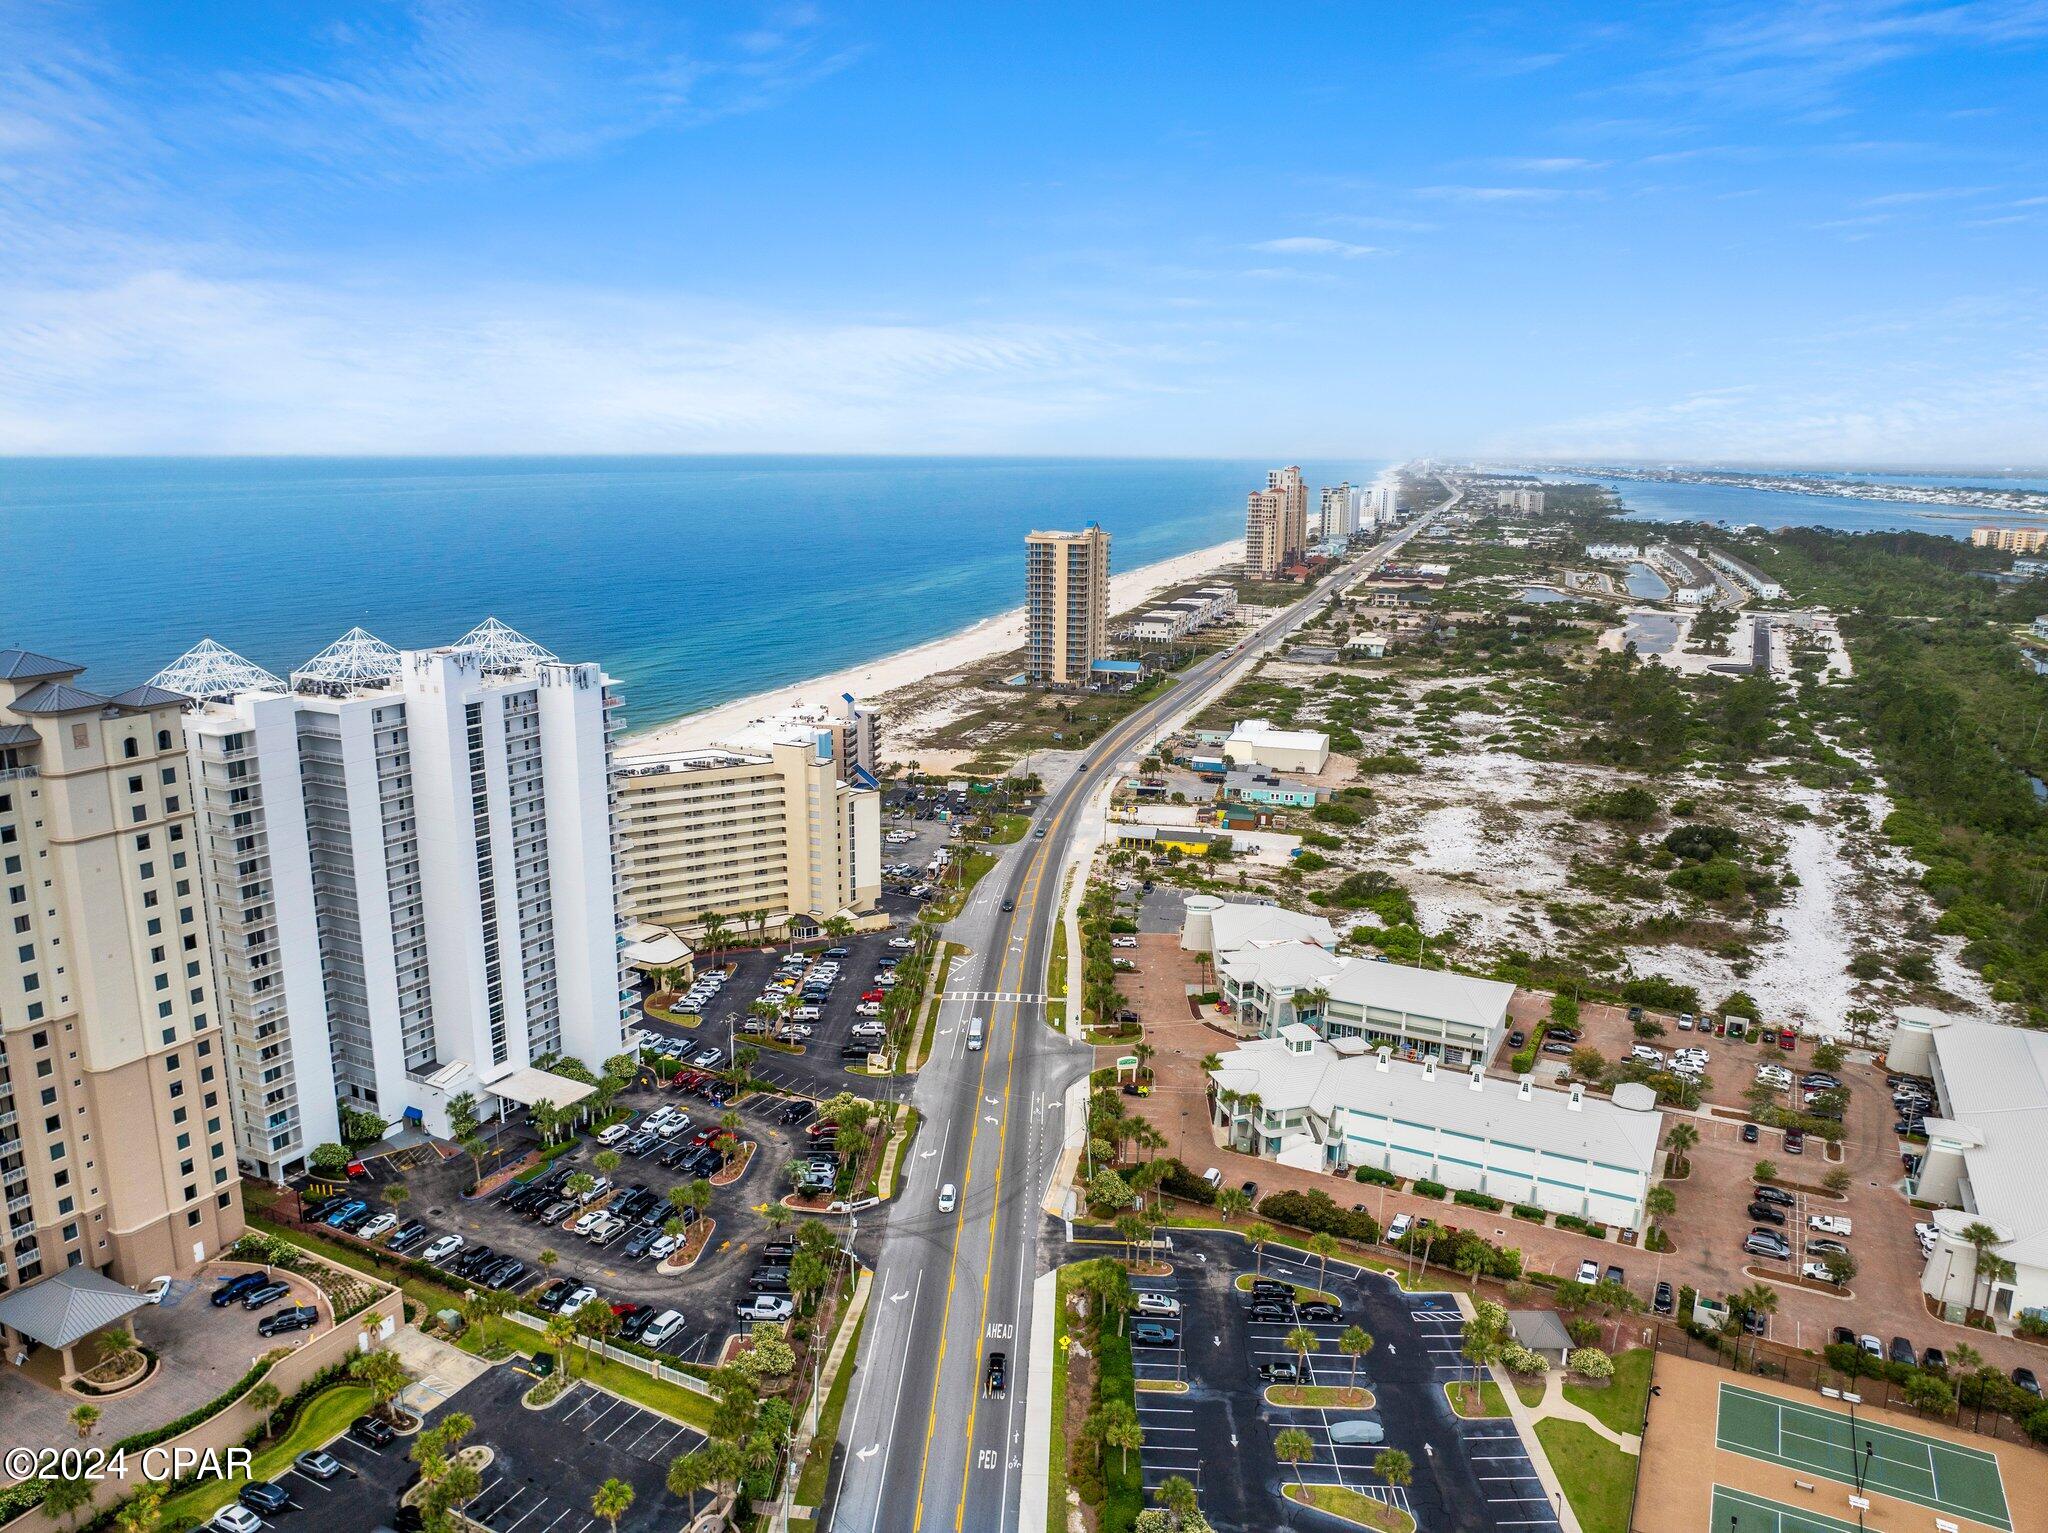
(1468, 1475)
(820, 1070)
(545, 1465)
(705, 1295)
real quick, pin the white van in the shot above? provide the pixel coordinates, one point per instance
(974, 1032)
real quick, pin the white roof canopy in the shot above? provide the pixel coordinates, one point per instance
(527, 1086)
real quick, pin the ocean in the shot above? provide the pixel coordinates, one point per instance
(1734, 506)
(693, 580)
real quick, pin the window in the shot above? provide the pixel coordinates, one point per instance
(163, 740)
(130, 748)
(191, 1214)
(134, 783)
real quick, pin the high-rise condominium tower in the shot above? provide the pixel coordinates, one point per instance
(1066, 604)
(1276, 524)
(116, 1151)
(408, 866)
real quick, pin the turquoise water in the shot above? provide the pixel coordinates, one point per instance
(694, 580)
(1734, 506)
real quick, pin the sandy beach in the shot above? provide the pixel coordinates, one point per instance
(873, 679)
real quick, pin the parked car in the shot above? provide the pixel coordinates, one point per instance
(1766, 1193)
(1319, 1310)
(1665, 1301)
(236, 1518)
(1795, 1141)
(381, 1224)
(408, 1235)
(1357, 1431)
(1817, 1272)
(1902, 1352)
(662, 1327)
(1280, 1373)
(1830, 1224)
(1398, 1227)
(1589, 1271)
(1766, 1213)
(264, 1497)
(236, 1287)
(1152, 1333)
(1749, 1133)
(268, 1293)
(1157, 1304)
(372, 1431)
(300, 1317)
(321, 1466)
(766, 1306)
(2024, 1378)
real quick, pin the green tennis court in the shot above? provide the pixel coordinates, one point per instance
(1738, 1510)
(1910, 1466)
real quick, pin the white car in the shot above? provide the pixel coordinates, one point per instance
(1774, 1075)
(1157, 1304)
(1817, 1271)
(1123, 941)
(948, 1199)
(868, 1009)
(1400, 1227)
(664, 1246)
(578, 1299)
(1589, 1271)
(236, 1518)
(797, 1030)
(588, 1221)
(383, 1224)
(665, 1325)
(156, 1289)
(901, 942)
(443, 1248)
(767, 1306)
(615, 1133)
(807, 1014)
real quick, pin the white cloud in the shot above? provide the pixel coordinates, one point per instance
(170, 362)
(1315, 244)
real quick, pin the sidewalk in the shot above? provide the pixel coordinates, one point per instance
(1525, 1419)
(807, 1429)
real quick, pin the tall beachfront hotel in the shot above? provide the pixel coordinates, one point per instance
(116, 1150)
(1066, 605)
(1275, 524)
(407, 863)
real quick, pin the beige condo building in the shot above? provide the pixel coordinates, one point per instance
(1276, 524)
(1066, 605)
(2013, 540)
(773, 833)
(116, 1150)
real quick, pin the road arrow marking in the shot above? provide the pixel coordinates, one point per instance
(868, 1452)
(989, 1117)
(898, 1298)
(993, 1101)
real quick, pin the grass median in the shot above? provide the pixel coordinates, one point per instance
(1598, 1478)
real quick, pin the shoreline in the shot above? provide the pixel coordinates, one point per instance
(873, 679)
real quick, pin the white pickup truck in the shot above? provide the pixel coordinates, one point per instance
(1829, 1224)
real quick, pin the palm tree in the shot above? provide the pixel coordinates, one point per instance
(1310, 1002)
(1301, 1341)
(1133, 1229)
(1323, 1245)
(1256, 1234)
(1122, 1430)
(548, 1257)
(1354, 1344)
(142, 1512)
(383, 1374)
(1683, 1137)
(1294, 1447)
(713, 934)
(689, 1473)
(1251, 1104)
(1394, 1466)
(1176, 1495)
(1232, 1201)
(1211, 1062)
(263, 1399)
(611, 1501)
(607, 1161)
(84, 1418)
(1981, 1237)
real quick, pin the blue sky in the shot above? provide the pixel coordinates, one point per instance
(1789, 233)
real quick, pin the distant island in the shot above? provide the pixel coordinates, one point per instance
(1971, 497)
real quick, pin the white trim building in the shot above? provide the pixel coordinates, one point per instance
(407, 860)
(1983, 1159)
(1258, 742)
(1336, 1106)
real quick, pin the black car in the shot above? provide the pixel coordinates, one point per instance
(1844, 1337)
(1009, 905)
(796, 1112)
(236, 1287)
(408, 1519)
(1270, 1312)
(634, 1323)
(550, 1299)
(1778, 1195)
(1273, 1286)
(1749, 1133)
(997, 1377)
(1280, 1373)
(1902, 1352)
(1562, 1034)
(1766, 1213)
(507, 1273)
(320, 1208)
(1317, 1309)
(300, 1317)
(472, 1260)
(262, 1497)
(1250, 1190)
(769, 1282)
(783, 1249)
(2024, 1378)
(1934, 1360)
(408, 1235)
(268, 1293)
(371, 1431)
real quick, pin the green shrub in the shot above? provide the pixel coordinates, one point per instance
(1424, 1188)
(1478, 1200)
(1530, 1212)
(1373, 1176)
(1180, 1182)
(1316, 1211)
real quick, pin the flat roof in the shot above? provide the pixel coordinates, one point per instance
(1234, 926)
(1322, 1079)
(1264, 732)
(1423, 992)
(1996, 1081)
(527, 1086)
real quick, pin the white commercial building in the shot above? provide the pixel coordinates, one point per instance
(1983, 1160)
(407, 863)
(1320, 1106)
(1257, 742)
(1339, 512)
(1161, 625)
(850, 734)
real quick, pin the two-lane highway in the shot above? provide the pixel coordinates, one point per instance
(928, 1447)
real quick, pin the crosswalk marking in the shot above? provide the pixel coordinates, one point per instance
(1001, 997)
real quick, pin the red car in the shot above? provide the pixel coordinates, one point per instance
(1786, 1038)
(873, 995)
